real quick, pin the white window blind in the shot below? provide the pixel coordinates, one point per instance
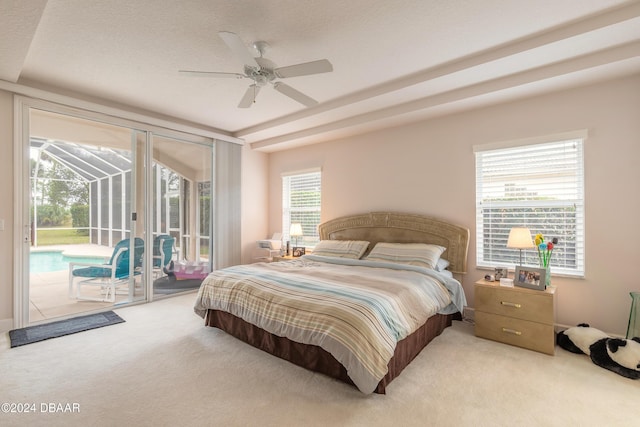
(539, 186)
(301, 204)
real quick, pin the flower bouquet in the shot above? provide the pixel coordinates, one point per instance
(545, 250)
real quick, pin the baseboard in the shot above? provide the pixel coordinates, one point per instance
(469, 315)
(6, 325)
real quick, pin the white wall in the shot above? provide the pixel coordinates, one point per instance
(428, 168)
(255, 216)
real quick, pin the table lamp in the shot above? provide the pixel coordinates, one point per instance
(520, 238)
(295, 231)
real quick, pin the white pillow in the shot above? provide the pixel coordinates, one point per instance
(419, 254)
(341, 248)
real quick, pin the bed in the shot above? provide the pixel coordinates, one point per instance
(434, 297)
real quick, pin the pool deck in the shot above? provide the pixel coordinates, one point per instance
(49, 298)
(49, 292)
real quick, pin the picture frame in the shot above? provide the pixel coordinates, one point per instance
(298, 251)
(501, 273)
(530, 277)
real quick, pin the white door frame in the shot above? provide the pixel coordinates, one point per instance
(21, 232)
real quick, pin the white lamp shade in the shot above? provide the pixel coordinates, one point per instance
(296, 229)
(520, 238)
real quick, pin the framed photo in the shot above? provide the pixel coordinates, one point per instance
(530, 277)
(298, 251)
(500, 273)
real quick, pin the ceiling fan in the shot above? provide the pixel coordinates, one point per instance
(263, 71)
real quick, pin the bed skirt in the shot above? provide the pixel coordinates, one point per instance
(317, 359)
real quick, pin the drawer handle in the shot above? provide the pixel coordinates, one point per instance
(511, 304)
(511, 331)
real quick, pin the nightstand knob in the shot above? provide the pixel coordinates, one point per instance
(511, 304)
(511, 331)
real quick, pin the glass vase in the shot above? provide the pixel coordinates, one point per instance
(547, 277)
(633, 330)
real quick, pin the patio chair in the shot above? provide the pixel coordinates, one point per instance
(107, 276)
(163, 246)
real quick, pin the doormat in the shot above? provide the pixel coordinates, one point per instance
(60, 328)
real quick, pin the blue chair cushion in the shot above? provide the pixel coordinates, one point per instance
(92, 272)
(122, 263)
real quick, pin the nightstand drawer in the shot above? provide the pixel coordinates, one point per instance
(521, 333)
(534, 306)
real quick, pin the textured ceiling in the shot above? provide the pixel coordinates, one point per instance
(394, 61)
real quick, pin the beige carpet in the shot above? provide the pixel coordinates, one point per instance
(164, 368)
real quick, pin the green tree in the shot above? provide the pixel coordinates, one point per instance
(51, 215)
(80, 218)
(56, 189)
(65, 187)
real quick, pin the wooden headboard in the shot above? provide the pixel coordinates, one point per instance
(402, 228)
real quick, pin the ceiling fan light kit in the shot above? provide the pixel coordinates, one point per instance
(263, 71)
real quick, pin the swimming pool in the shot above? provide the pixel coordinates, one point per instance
(46, 261)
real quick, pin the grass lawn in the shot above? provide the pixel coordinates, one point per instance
(60, 237)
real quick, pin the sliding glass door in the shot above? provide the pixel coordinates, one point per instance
(182, 214)
(112, 213)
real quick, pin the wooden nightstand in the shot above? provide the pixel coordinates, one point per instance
(282, 258)
(517, 316)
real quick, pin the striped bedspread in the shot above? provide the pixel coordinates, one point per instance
(356, 310)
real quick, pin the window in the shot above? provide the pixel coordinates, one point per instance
(301, 204)
(537, 184)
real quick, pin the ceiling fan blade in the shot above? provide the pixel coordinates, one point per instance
(212, 74)
(238, 48)
(249, 96)
(294, 94)
(313, 67)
